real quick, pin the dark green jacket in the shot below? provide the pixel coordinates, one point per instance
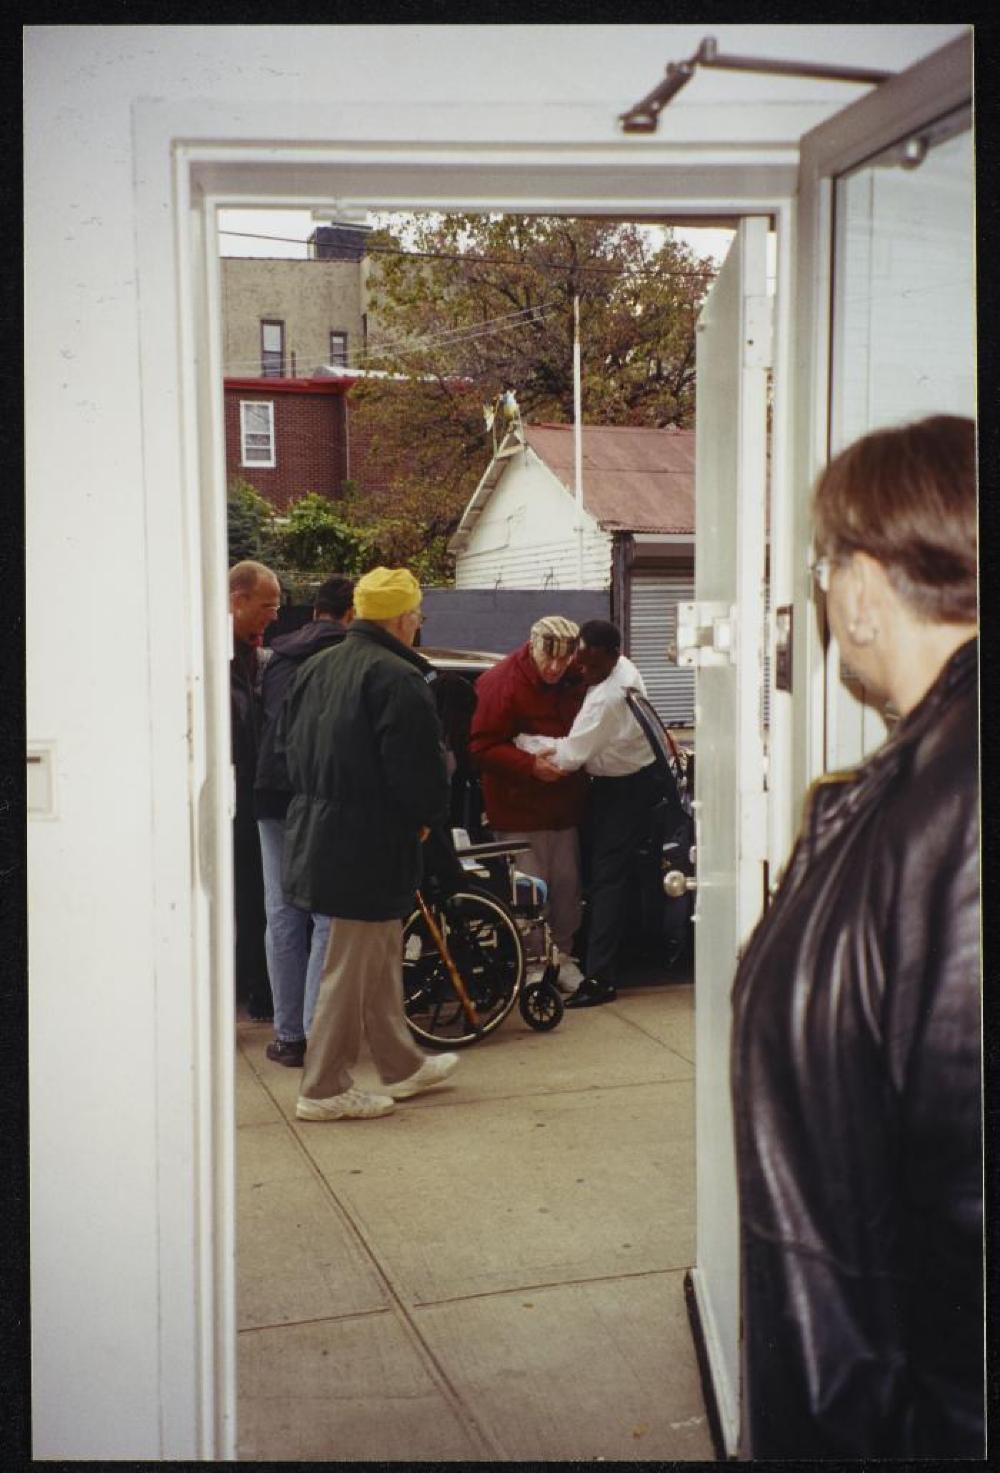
(366, 762)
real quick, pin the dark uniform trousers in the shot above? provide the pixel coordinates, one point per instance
(617, 818)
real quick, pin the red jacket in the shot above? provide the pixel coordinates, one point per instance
(513, 698)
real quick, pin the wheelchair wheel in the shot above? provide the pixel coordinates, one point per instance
(541, 1006)
(486, 948)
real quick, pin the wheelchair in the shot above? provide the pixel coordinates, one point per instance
(471, 954)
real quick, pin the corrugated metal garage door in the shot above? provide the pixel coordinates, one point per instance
(654, 596)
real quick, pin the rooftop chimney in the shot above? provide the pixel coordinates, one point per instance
(339, 241)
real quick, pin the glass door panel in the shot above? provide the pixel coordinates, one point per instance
(903, 326)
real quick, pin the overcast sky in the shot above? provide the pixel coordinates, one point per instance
(290, 228)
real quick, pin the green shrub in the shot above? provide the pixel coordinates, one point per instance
(318, 537)
(315, 539)
(250, 523)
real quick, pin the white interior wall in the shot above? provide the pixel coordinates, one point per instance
(90, 877)
(118, 1354)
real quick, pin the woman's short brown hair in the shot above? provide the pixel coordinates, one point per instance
(907, 497)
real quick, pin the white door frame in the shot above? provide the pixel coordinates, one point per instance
(932, 88)
(734, 357)
(193, 158)
(180, 183)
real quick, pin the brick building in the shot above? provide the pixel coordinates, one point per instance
(287, 437)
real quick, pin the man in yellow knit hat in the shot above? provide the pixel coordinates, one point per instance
(366, 762)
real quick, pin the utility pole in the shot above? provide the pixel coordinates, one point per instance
(578, 435)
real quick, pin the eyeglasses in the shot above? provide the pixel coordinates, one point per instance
(419, 615)
(821, 568)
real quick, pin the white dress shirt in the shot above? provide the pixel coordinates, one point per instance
(605, 738)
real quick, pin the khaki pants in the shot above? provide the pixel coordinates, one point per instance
(361, 987)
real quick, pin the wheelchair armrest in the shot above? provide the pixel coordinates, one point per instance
(494, 849)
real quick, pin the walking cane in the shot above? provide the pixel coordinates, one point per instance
(437, 936)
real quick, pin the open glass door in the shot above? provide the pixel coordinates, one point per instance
(883, 332)
(903, 327)
(885, 322)
(723, 639)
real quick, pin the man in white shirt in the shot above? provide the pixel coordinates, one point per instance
(608, 742)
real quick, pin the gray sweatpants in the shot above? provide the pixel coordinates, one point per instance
(361, 987)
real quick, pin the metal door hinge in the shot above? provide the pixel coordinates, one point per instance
(706, 634)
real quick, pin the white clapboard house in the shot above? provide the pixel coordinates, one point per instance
(521, 529)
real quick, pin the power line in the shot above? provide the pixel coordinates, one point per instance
(447, 338)
(471, 327)
(459, 336)
(404, 344)
(380, 250)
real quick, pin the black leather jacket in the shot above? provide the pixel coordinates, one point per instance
(857, 1106)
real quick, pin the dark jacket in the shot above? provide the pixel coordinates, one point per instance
(510, 699)
(272, 790)
(245, 670)
(856, 1089)
(366, 764)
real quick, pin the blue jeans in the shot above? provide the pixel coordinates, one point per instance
(294, 963)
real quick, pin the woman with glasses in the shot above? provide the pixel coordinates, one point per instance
(856, 1042)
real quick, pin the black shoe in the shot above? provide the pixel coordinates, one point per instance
(287, 1051)
(591, 993)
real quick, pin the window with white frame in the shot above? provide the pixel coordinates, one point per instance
(272, 349)
(257, 432)
(338, 348)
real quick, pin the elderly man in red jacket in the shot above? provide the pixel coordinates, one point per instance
(527, 797)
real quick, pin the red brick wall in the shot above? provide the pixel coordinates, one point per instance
(310, 445)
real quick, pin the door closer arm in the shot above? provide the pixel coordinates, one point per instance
(644, 116)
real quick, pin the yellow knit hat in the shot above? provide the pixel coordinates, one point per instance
(385, 592)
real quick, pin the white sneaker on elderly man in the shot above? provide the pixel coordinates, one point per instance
(434, 1070)
(570, 975)
(353, 1104)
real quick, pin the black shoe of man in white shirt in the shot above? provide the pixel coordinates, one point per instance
(591, 993)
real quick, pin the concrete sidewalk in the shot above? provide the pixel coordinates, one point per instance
(495, 1271)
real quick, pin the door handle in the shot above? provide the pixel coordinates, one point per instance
(676, 884)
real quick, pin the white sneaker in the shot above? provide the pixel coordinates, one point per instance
(570, 975)
(434, 1070)
(353, 1104)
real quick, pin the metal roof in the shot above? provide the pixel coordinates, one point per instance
(635, 478)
